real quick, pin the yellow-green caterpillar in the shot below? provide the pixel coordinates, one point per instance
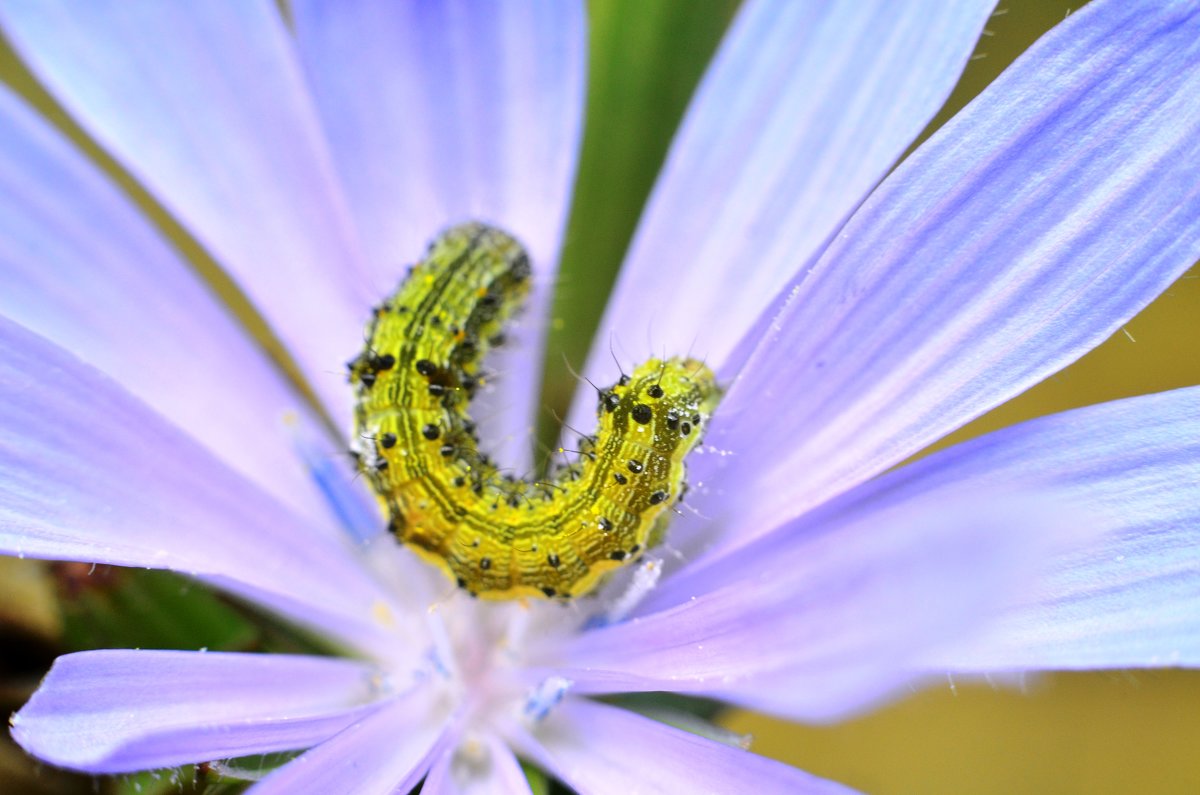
(500, 537)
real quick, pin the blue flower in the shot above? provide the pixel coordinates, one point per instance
(854, 324)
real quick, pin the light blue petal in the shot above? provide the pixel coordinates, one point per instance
(81, 267)
(1132, 598)
(1041, 218)
(830, 612)
(206, 104)
(386, 752)
(601, 749)
(442, 112)
(925, 570)
(806, 107)
(481, 765)
(122, 711)
(89, 473)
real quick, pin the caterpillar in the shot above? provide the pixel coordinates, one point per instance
(497, 536)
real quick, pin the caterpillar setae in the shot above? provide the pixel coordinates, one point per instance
(497, 536)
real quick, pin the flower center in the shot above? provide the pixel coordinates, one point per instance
(480, 650)
(497, 536)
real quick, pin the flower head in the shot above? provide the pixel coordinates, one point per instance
(139, 426)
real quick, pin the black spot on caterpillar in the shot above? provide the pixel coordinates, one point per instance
(496, 536)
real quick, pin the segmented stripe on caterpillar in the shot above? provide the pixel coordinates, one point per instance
(500, 537)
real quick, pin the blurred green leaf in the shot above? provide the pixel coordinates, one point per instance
(538, 782)
(645, 59)
(655, 703)
(186, 780)
(105, 606)
(108, 606)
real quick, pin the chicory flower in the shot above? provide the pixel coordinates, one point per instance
(139, 426)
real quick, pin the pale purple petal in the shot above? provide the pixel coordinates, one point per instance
(1058, 204)
(441, 112)
(478, 766)
(826, 615)
(603, 750)
(79, 265)
(119, 711)
(386, 752)
(89, 473)
(806, 107)
(206, 104)
(1132, 598)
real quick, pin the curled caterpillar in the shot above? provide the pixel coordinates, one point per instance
(497, 536)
